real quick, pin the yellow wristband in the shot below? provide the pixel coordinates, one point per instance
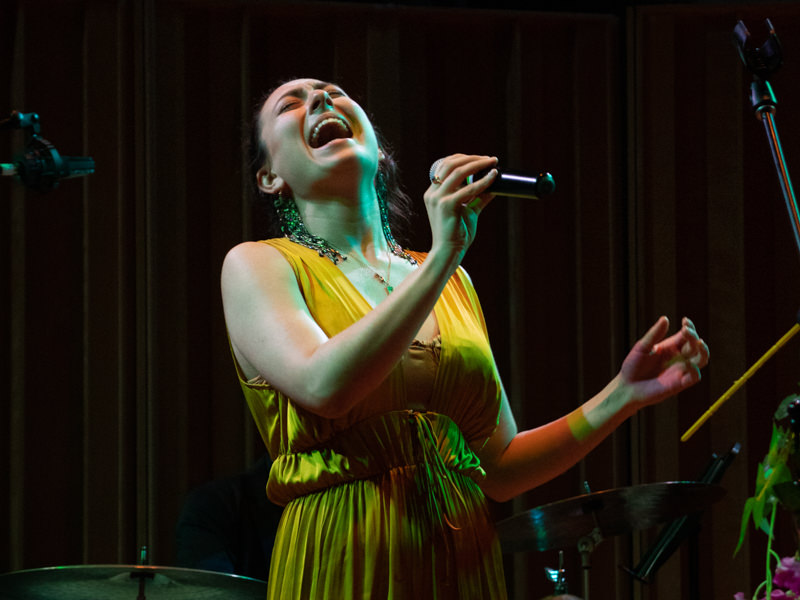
(578, 425)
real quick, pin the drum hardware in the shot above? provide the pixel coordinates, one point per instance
(584, 521)
(128, 582)
(558, 576)
(674, 533)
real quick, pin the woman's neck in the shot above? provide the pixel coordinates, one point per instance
(349, 226)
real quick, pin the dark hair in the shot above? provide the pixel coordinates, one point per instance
(387, 183)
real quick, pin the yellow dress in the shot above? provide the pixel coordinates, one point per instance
(385, 502)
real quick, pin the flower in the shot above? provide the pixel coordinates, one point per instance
(787, 578)
(787, 575)
(777, 483)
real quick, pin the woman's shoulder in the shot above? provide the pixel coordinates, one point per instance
(250, 252)
(249, 261)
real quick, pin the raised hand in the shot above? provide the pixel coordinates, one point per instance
(659, 367)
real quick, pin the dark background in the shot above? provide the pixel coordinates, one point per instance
(119, 394)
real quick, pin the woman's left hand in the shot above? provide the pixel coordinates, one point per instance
(658, 367)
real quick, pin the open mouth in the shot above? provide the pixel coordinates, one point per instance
(329, 129)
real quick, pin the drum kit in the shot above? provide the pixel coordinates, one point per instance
(581, 522)
(584, 521)
(128, 582)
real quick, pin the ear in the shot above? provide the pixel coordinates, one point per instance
(268, 182)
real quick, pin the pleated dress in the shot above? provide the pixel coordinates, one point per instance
(385, 502)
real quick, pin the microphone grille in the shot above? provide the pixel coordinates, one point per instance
(434, 167)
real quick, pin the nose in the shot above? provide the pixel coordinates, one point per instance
(319, 101)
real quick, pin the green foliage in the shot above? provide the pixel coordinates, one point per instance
(776, 484)
(774, 480)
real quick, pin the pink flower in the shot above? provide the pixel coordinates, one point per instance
(787, 576)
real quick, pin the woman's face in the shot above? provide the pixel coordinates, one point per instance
(319, 140)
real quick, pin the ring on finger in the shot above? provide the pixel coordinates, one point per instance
(436, 180)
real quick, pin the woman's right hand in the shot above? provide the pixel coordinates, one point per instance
(453, 205)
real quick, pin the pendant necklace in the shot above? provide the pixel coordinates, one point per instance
(385, 282)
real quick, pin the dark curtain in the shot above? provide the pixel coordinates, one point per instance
(712, 238)
(119, 394)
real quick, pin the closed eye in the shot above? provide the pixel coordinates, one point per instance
(291, 100)
(335, 92)
(288, 105)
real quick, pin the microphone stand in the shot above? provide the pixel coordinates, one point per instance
(41, 166)
(763, 62)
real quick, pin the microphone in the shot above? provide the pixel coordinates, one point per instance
(516, 186)
(42, 167)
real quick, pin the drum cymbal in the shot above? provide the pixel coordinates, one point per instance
(613, 512)
(121, 582)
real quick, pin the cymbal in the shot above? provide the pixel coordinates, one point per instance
(121, 582)
(564, 523)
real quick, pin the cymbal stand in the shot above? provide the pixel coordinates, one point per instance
(142, 576)
(763, 62)
(558, 576)
(586, 546)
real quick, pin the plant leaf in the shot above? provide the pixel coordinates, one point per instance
(748, 509)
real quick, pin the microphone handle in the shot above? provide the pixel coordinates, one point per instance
(520, 186)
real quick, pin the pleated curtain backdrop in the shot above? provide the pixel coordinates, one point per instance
(119, 393)
(714, 241)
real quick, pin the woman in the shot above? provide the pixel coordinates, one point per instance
(369, 373)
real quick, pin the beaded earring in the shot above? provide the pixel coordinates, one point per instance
(380, 188)
(396, 249)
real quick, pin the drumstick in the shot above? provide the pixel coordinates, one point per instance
(740, 382)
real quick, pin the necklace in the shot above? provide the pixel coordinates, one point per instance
(292, 227)
(385, 282)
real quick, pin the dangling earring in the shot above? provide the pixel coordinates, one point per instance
(380, 192)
